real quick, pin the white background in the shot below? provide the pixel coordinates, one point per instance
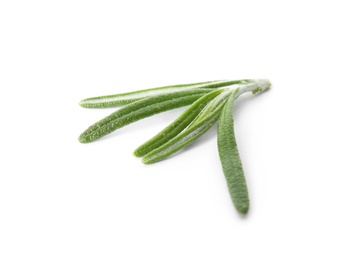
(60, 199)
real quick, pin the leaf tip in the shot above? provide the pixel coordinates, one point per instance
(137, 153)
(84, 138)
(144, 161)
(81, 140)
(242, 208)
(83, 103)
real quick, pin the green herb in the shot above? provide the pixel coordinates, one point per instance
(176, 126)
(230, 158)
(185, 138)
(129, 97)
(211, 102)
(140, 109)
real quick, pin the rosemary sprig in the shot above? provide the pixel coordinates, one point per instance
(211, 102)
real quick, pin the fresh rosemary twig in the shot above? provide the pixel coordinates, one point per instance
(211, 101)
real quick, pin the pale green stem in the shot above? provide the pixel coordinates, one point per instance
(257, 86)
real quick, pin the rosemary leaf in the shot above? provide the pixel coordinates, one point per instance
(129, 97)
(230, 158)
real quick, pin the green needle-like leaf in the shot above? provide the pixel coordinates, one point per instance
(139, 110)
(214, 104)
(178, 125)
(129, 97)
(230, 158)
(186, 137)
